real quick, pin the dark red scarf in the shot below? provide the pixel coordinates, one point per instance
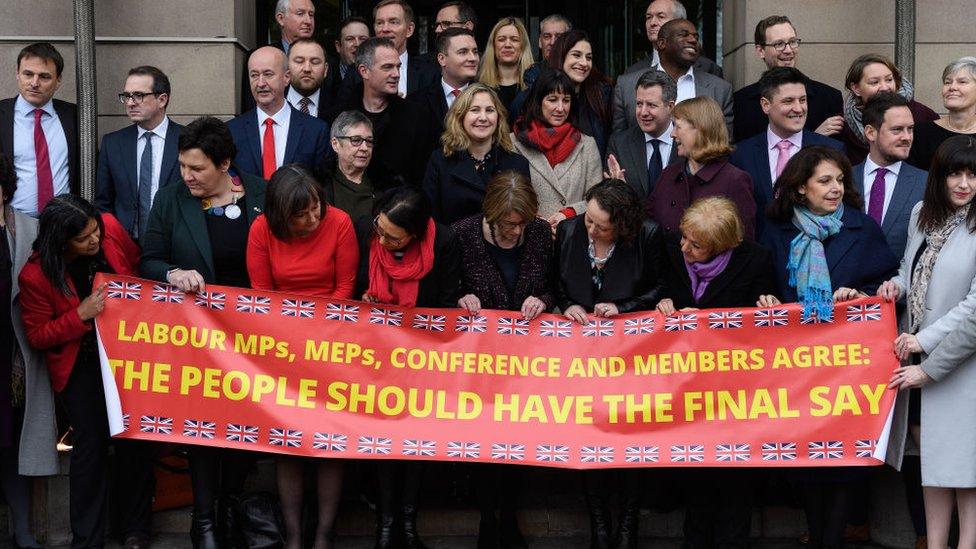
(555, 143)
(397, 282)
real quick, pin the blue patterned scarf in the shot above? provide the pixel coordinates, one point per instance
(807, 266)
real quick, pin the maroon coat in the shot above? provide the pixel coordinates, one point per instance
(857, 150)
(677, 189)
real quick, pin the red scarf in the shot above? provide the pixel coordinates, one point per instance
(555, 143)
(397, 282)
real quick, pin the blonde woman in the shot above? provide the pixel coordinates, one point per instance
(476, 145)
(506, 59)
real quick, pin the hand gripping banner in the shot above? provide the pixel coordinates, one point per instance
(306, 376)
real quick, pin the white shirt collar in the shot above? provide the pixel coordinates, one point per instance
(870, 167)
(281, 117)
(159, 130)
(404, 57)
(295, 98)
(448, 88)
(21, 106)
(772, 139)
(664, 137)
(655, 57)
(690, 73)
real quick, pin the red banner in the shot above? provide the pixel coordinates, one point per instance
(307, 376)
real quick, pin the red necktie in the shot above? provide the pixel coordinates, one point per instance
(456, 93)
(45, 180)
(268, 151)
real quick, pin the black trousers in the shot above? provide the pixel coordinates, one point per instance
(216, 473)
(827, 505)
(718, 508)
(135, 484)
(84, 401)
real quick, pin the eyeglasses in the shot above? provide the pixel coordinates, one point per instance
(444, 25)
(357, 140)
(383, 234)
(509, 226)
(136, 97)
(781, 45)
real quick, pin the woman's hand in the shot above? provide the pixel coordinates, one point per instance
(665, 307)
(186, 281)
(768, 301)
(532, 307)
(576, 314)
(470, 303)
(847, 294)
(614, 171)
(831, 126)
(554, 220)
(92, 305)
(909, 377)
(889, 291)
(368, 298)
(905, 345)
(606, 310)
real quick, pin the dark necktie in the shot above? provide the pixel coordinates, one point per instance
(303, 104)
(655, 165)
(877, 197)
(145, 187)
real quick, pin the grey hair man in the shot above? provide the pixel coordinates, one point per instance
(658, 13)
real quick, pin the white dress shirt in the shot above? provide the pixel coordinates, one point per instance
(282, 118)
(655, 58)
(447, 92)
(25, 163)
(772, 141)
(158, 143)
(665, 146)
(891, 178)
(295, 98)
(686, 85)
(402, 84)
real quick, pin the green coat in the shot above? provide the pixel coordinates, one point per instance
(177, 236)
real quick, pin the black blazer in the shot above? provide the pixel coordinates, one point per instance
(431, 107)
(823, 101)
(632, 277)
(456, 190)
(68, 114)
(421, 72)
(440, 288)
(117, 182)
(748, 275)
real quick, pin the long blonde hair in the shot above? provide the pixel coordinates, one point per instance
(455, 139)
(488, 73)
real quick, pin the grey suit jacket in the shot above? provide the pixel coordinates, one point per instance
(625, 97)
(630, 149)
(909, 188)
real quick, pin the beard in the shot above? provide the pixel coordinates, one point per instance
(306, 89)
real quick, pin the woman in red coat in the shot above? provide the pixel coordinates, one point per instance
(59, 304)
(302, 245)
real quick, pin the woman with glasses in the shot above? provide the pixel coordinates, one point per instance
(507, 57)
(409, 260)
(351, 189)
(476, 145)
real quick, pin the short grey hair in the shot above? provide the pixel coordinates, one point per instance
(366, 51)
(968, 63)
(679, 10)
(282, 6)
(346, 120)
(556, 18)
(653, 77)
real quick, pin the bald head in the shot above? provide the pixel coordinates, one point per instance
(267, 71)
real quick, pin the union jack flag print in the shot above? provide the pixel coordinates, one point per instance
(431, 323)
(864, 313)
(598, 328)
(126, 419)
(420, 448)
(725, 320)
(286, 438)
(638, 326)
(345, 313)
(687, 453)
(827, 449)
(555, 328)
(385, 317)
(253, 304)
(297, 308)
(732, 452)
(469, 450)
(596, 454)
(242, 433)
(864, 448)
(330, 442)
(641, 454)
(199, 429)
(814, 318)
(377, 446)
(124, 290)
(471, 324)
(508, 452)
(552, 453)
(156, 424)
(210, 300)
(680, 322)
(164, 293)
(778, 451)
(768, 318)
(513, 326)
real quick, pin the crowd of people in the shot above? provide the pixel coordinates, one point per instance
(483, 178)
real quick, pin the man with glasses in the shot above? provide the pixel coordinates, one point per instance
(778, 46)
(452, 15)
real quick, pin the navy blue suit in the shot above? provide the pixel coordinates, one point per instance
(307, 143)
(858, 256)
(909, 189)
(117, 181)
(752, 156)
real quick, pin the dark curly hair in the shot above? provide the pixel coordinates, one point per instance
(622, 202)
(798, 171)
(212, 136)
(64, 217)
(8, 178)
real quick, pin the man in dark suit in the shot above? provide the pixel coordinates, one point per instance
(677, 43)
(353, 31)
(309, 67)
(275, 133)
(778, 46)
(452, 15)
(643, 151)
(657, 14)
(890, 186)
(550, 29)
(784, 101)
(138, 160)
(296, 18)
(40, 133)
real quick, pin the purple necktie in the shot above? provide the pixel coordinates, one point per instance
(876, 205)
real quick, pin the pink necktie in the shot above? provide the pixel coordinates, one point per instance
(42, 159)
(783, 157)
